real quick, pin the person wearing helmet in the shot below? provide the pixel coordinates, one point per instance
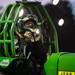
(28, 29)
(30, 33)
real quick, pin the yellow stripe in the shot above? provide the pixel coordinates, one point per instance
(65, 73)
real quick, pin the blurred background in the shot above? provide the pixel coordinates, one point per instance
(62, 13)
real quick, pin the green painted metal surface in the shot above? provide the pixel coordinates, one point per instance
(5, 61)
(51, 66)
(60, 62)
(67, 62)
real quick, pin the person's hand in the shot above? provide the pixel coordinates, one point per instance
(28, 36)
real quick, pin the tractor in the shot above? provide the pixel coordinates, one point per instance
(29, 42)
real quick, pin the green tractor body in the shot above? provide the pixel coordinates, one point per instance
(60, 64)
(57, 63)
